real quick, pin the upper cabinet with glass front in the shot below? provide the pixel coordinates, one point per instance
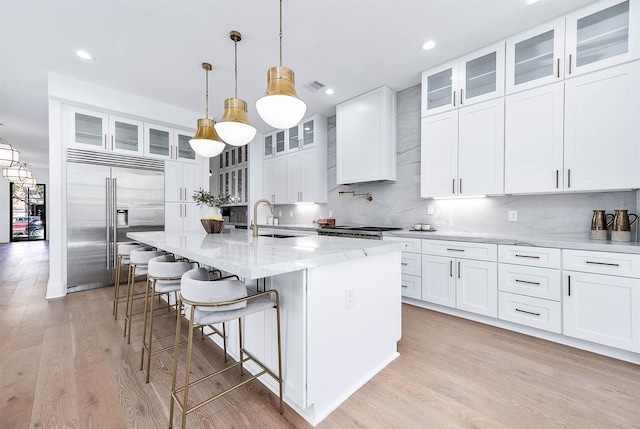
(535, 57)
(471, 79)
(168, 143)
(94, 130)
(306, 134)
(598, 36)
(601, 35)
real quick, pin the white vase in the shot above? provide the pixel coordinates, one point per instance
(210, 212)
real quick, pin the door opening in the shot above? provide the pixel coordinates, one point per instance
(28, 214)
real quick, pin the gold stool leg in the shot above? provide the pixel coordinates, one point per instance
(116, 290)
(151, 289)
(144, 324)
(130, 277)
(175, 365)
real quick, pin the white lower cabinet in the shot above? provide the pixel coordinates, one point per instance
(182, 218)
(534, 312)
(598, 305)
(466, 284)
(411, 266)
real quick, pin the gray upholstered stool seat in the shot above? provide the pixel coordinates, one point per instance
(210, 302)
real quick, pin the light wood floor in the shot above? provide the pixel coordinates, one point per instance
(65, 364)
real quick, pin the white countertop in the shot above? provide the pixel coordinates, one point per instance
(238, 252)
(548, 240)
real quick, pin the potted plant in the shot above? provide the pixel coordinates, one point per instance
(212, 222)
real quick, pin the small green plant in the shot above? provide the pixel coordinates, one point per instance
(205, 198)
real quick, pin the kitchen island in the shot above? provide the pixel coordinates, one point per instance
(340, 307)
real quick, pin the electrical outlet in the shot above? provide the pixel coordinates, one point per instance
(349, 298)
(330, 213)
(290, 213)
(429, 210)
(279, 213)
(513, 215)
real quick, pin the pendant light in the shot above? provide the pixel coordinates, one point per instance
(29, 183)
(234, 127)
(9, 156)
(17, 173)
(280, 107)
(206, 141)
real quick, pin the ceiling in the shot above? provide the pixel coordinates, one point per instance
(154, 49)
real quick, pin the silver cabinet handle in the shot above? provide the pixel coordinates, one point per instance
(453, 186)
(450, 268)
(112, 143)
(569, 63)
(459, 269)
(558, 75)
(108, 215)
(403, 263)
(528, 312)
(460, 187)
(455, 250)
(603, 263)
(527, 256)
(454, 99)
(557, 179)
(461, 96)
(527, 282)
(569, 285)
(568, 177)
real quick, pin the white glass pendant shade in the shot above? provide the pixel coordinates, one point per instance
(206, 141)
(234, 127)
(30, 182)
(8, 155)
(17, 173)
(280, 107)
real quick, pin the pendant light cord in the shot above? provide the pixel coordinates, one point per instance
(206, 107)
(280, 33)
(235, 45)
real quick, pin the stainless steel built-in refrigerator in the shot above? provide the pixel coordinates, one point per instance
(104, 203)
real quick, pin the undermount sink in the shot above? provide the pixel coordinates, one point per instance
(277, 235)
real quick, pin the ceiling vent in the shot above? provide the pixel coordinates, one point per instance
(314, 86)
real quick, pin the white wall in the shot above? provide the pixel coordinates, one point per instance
(5, 222)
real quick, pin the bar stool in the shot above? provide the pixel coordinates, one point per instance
(138, 266)
(122, 258)
(163, 277)
(210, 302)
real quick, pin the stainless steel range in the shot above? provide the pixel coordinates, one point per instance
(366, 232)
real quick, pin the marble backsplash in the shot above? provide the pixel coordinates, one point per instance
(399, 203)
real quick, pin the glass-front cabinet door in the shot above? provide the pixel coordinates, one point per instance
(602, 35)
(267, 145)
(536, 57)
(308, 133)
(126, 135)
(88, 129)
(157, 141)
(471, 79)
(182, 148)
(280, 142)
(293, 138)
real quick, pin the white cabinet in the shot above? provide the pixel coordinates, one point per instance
(462, 151)
(471, 79)
(274, 179)
(601, 35)
(411, 266)
(305, 183)
(95, 130)
(297, 169)
(535, 57)
(589, 144)
(530, 287)
(455, 280)
(534, 140)
(601, 298)
(596, 37)
(181, 180)
(601, 130)
(366, 137)
(168, 143)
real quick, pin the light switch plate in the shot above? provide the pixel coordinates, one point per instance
(429, 210)
(513, 215)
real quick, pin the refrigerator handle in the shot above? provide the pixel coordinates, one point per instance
(108, 213)
(114, 217)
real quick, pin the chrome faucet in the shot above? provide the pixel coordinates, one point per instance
(255, 214)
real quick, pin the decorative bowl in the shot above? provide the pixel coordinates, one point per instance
(212, 226)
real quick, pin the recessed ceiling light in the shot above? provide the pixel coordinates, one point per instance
(84, 55)
(528, 2)
(328, 91)
(429, 44)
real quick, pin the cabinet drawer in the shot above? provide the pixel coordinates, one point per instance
(411, 286)
(531, 281)
(412, 245)
(534, 312)
(411, 264)
(617, 264)
(533, 256)
(457, 249)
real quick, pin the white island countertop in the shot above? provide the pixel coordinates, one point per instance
(238, 252)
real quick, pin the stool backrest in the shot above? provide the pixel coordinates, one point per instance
(126, 248)
(166, 266)
(194, 287)
(142, 256)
